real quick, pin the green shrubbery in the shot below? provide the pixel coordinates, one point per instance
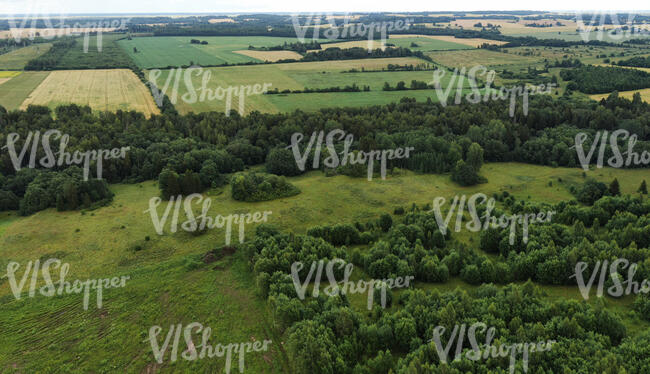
(260, 187)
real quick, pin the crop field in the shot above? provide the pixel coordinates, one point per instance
(14, 91)
(17, 59)
(161, 52)
(220, 294)
(100, 89)
(298, 76)
(270, 55)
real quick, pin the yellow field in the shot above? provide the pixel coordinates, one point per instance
(9, 74)
(6, 75)
(374, 44)
(270, 55)
(645, 95)
(108, 89)
(647, 70)
(221, 20)
(473, 42)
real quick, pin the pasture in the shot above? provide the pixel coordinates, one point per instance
(107, 90)
(18, 58)
(100, 244)
(14, 91)
(298, 76)
(162, 52)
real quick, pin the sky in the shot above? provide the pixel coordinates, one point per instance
(58, 7)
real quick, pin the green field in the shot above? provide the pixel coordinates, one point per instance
(61, 335)
(161, 52)
(297, 76)
(427, 44)
(17, 89)
(17, 59)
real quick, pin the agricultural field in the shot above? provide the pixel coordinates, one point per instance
(298, 76)
(168, 268)
(5, 76)
(14, 91)
(162, 52)
(473, 57)
(271, 56)
(645, 94)
(106, 90)
(17, 59)
(472, 42)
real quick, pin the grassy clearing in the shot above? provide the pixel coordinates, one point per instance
(17, 59)
(100, 89)
(167, 286)
(17, 89)
(161, 52)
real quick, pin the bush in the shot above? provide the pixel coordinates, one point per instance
(260, 187)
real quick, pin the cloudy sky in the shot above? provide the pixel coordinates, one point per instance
(185, 6)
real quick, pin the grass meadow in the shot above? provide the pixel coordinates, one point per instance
(102, 243)
(17, 59)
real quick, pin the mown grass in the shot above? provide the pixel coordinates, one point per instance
(169, 283)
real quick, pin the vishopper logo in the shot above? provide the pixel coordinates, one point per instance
(202, 93)
(478, 352)
(38, 24)
(617, 289)
(457, 80)
(192, 352)
(348, 30)
(50, 289)
(617, 160)
(602, 22)
(202, 221)
(65, 158)
(343, 287)
(503, 221)
(333, 160)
